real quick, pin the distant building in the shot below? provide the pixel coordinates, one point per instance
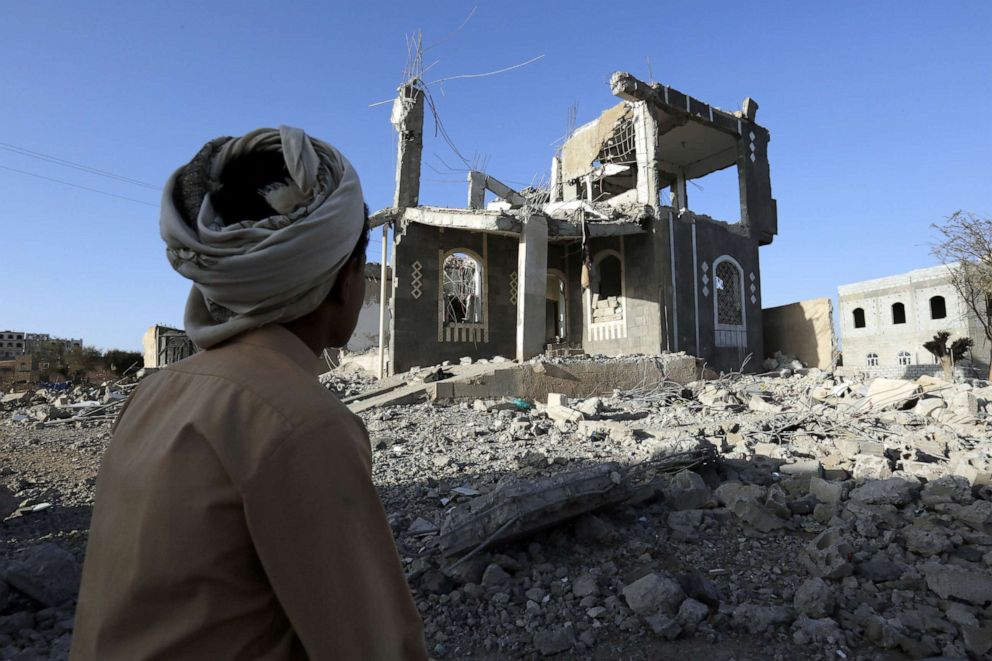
(884, 323)
(163, 346)
(16, 344)
(11, 344)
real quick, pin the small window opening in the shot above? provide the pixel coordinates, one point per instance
(904, 358)
(607, 290)
(872, 360)
(898, 313)
(938, 307)
(859, 318)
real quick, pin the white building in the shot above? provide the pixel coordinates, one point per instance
(884, 322)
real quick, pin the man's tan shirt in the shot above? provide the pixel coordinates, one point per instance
(236, 518)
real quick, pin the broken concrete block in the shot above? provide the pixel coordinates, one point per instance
(815, 598)
(15, 398)
(827, 555)
(590, 407)
(654, 593)
(756, 515)
(557, 399)
(928, 406)
(688, 491)
(946, 489)
(616, 431)
(562, 414)
(554, 641)
(826, 491)
(46, 573)
(517, 508)
(758, 619)
(950, 581)
(925, 540)
(923, 470)
(760, 405)
(808, 468)
(890, 394)
(871, 467)
(895, 491)
(8, 502)
(692, 612)
(663, 626)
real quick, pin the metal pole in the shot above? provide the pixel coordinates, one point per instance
(382, 304)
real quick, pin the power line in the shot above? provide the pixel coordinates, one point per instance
(69, 183)
(78, 166)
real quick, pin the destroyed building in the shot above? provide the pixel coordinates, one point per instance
(595, 262)
(162, 345)
(884, 323)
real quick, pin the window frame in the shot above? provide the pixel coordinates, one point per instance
(871, 359)
(864, 318)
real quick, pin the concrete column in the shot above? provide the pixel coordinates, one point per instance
(681, 202)
(532, 283)
(646, 148)
(382, 303)
(555, 180)
(408, 119)
(476, 190)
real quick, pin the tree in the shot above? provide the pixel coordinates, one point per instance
(965, 246)
(82, 360)
(948, 354)
(123, 361)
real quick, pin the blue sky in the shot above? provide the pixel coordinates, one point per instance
(877, 110)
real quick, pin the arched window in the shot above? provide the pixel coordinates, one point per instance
(859, 318)
(462, 289)
(872, 359)
(728, 283)
(905, 358)
(938, 307)
(898, 313)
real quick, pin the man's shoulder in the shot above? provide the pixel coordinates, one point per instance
(270, 376)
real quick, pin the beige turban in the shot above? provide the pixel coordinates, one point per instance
(252, 273)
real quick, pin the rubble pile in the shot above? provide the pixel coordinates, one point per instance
(791, 515)
(828, 518)
(70, 404)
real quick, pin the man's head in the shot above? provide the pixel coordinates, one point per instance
(242, 196)
(271, 227)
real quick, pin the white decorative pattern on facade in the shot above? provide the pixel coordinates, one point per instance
(416, 280)
(513, 287)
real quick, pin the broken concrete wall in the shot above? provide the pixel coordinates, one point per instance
(366, 335)
(416, 321)
(804, 330)
(576, 379)
(584, 145)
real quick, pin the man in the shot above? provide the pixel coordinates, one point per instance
(235, 514)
